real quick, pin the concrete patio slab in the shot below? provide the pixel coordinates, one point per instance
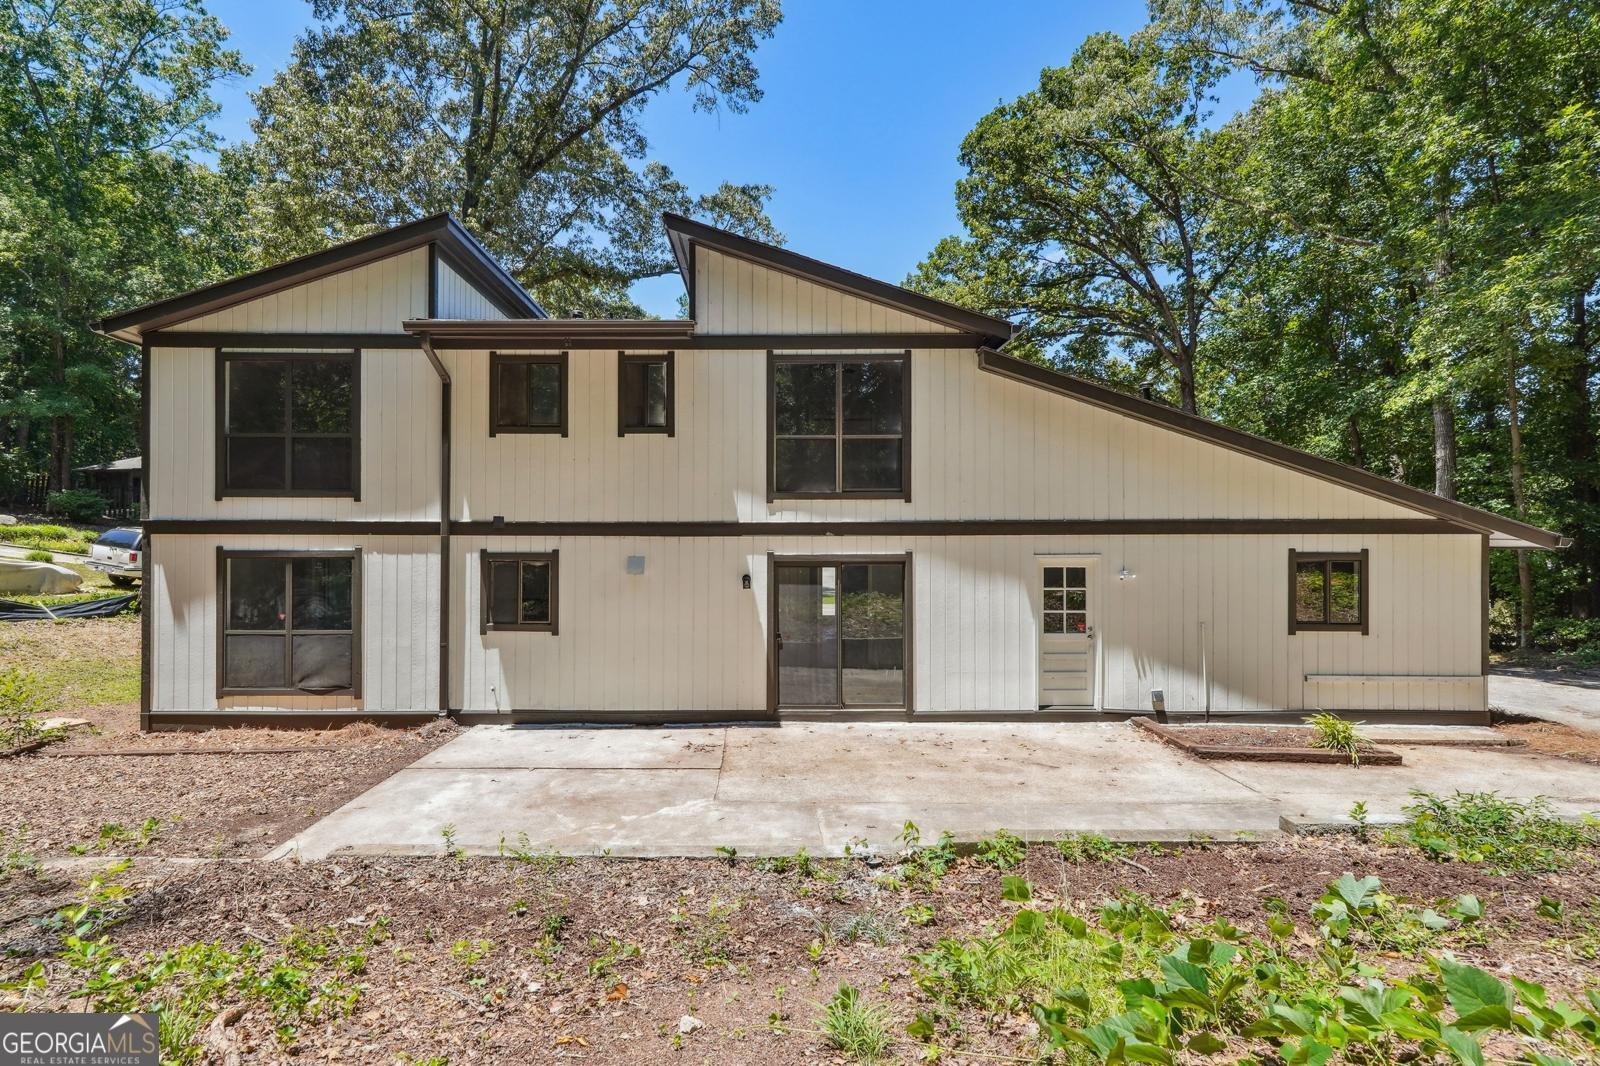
(827, 787)
(1322, 793)
(535, 748)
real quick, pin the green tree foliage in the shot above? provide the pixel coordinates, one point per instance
(521, 117)
(100, 207)
(1396, 247)
(1092, 214)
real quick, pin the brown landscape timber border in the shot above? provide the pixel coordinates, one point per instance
(1375, 757)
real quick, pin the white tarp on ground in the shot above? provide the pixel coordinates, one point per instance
(38, 579)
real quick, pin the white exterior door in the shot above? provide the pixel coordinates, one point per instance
(1066, 633)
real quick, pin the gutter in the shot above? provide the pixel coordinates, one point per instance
(444, 523)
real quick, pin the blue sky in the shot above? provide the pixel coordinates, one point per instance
(865, 106)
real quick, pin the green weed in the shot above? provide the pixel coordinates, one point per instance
(1092, 847)
(1484, 827)
(1332, 733)
(1003, 851)
(855, 1027)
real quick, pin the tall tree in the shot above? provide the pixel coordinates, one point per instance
(523, 117)
(1092, 211)
(98, 205)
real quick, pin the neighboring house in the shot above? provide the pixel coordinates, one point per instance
(117, 482)
(824, 494)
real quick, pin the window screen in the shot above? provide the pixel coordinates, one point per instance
(839, 426)
(528, 393)
(519, 591)
(644, 394)
(288, 425)
(289, 622)
(1328, 591)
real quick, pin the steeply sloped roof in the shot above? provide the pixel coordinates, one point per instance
(685, 234)
(459, 247)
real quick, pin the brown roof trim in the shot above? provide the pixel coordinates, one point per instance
(1271, 451)
(650, 333)
(456, 246)
(685, 233)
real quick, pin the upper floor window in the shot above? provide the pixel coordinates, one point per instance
(527, 393)
(288, 425)
(644, 393)
(839, 426)
(1328, 591)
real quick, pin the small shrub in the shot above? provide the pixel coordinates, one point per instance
(48, 537)
(1003, 851)
(22, 703)
(1332, 733)
(38, 555)
(80, 505)
(1488, 828)
(857, 1028)
(1092, 847)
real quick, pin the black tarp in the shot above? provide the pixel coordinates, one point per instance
(12, 611)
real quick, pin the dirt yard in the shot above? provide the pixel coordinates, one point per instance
(204, 800)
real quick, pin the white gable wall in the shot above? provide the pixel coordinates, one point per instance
(374, 298)
(459, 298)
(734, 295)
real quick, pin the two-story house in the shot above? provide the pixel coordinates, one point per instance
(382, 483)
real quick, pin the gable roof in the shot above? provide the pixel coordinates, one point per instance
(685, 234)
(1504, 532)
(459, 247)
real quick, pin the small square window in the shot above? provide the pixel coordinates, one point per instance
(527, 393)
(1328, 591)
(644, 394)
(519, 591)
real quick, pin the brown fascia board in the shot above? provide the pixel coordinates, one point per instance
(683, 233)
(1354, 478)
(461, 249)
(550, 332)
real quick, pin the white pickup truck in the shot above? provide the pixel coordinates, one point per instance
(116, 554)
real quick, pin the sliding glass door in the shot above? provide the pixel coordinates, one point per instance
(840, 639)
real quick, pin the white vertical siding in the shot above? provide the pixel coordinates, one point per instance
(374, 298)
(459, 298)
(685, 636)
(399, 617)
(982, 446)
(734, 295)
(399, 442)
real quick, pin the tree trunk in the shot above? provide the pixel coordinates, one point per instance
(1444, 447)
(1358, 451)
(1583, 460)
(60, 472)
(1186, 381)
(1519, 500)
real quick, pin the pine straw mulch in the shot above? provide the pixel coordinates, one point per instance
(731, 946)
(208, 804)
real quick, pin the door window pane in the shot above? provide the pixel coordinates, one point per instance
(1053, 622)
(1053, 577)
(804, 465)
(805, 398)
(1075, 577)
(1077, 622)
(808, 636)
(872, 632)
(872, 398)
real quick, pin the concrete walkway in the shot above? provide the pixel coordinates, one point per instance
(825, 786)
(1571, 697)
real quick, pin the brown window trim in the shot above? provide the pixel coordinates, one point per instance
(1296, 626)
(902, 493)
(486, 558)
(498, 359)
(288, 555)
(623, 428)
(223, 358)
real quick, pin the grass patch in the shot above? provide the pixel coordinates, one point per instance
(84, 663)
(1484, 827)
(50, 537)
(1332, 733)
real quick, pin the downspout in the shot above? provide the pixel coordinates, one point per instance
(146, 571)
(444, 523)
